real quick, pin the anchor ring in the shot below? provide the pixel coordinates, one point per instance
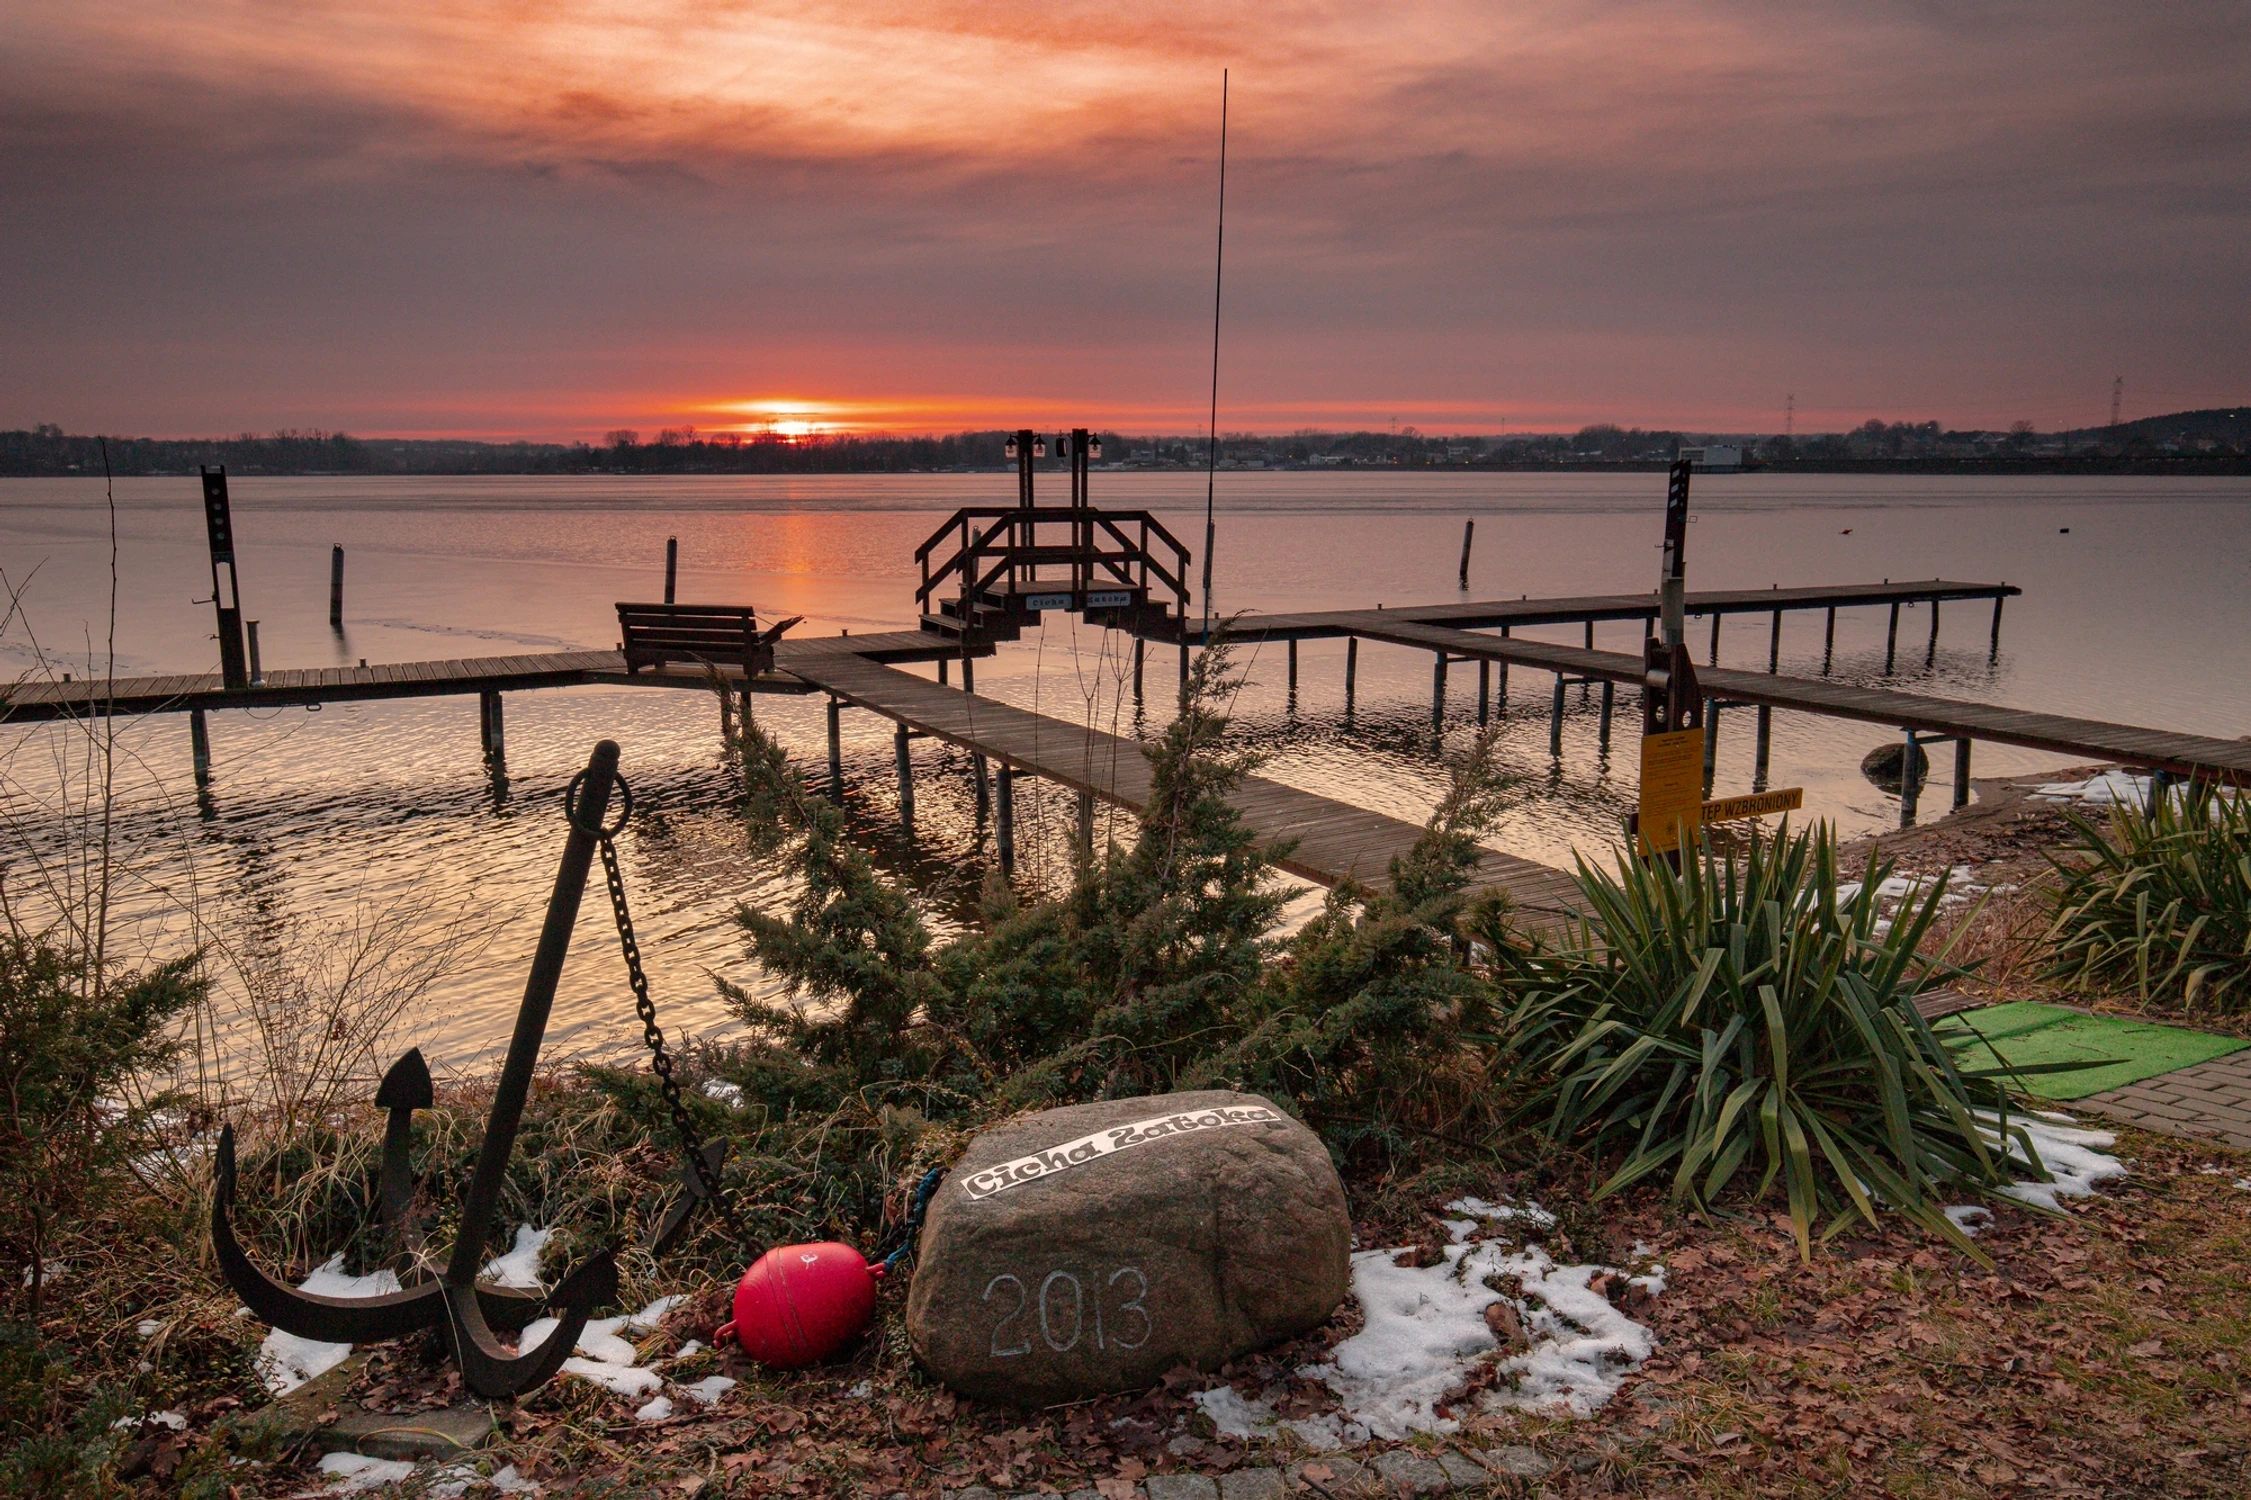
(570, 808)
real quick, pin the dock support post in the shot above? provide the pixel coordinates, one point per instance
(1716, 618)
(1766, 735)
(899, 743)
(727, 711)
(491, 738)
(969, 675)
(1438, 691)
(1711, 742)
(1004, 814)
(836, 748)
(1484, 691)
(1961, 774)
(1184, 669)
(1293, 669)
(1609, 697)
(1891, 639)
(671, 566)
(1909, 784)
(1996, 650)
(1500, 681)
(1590, 635)
(1351, 670)
(1140, 649)
(1930, 653)
(257, 669)
(1086, 828)
(1469, 529)
(336, 589)
(199, 741)
(984, 792)
(1555, 721)
(1829, 642)
(941, 671)
(1774, 645)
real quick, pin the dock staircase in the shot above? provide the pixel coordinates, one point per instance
(991, 570)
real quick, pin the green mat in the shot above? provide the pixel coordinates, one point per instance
(2025, 1033)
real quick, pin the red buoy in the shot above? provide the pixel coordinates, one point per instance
(798, 1304)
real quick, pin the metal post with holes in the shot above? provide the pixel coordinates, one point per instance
(199, 742)
(1961, 774)
(226, 597)
(1004, 816)
(1910, 785)
(900, 740)
(836, 748)
(1672, 576)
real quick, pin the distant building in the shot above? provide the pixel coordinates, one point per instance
(1716, 458)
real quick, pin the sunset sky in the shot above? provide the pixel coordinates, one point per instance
(549, 219)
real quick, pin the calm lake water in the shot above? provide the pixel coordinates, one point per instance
(317, 820)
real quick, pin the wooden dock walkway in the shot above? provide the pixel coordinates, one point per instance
(1334, 839)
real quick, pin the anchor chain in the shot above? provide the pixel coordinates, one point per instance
(660, 1061)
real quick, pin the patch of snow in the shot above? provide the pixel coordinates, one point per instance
(618, 1380)
(51, 1271)
(1969, 1217)
(690, 1348)
(519, 1268)
(1502, 1213)
(2071, 1156)
(1240, 1416)
(177, 1421)
(610, 1358)
(712, 1388)
(456, 1478)
(1426, 1326)
(147, 1328)
(657, 1409)
(2109, 789)
(648, 1318)
(355, 1472)
(287, 1361)
(729, 1094)
(2212, 1171)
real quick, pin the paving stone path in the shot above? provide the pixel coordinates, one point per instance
(2210, 1101)
(1403, 1471)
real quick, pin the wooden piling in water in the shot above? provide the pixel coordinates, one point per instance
(980, 767)
(1293, 667)
(492, 739)
(1086, 827)
(969, 675)
(1930, 653)
(1910, 788)
(941, 671)
(1774, 645)
(1711, 742)
(1609, 698)
(1351, 670)
(1829, 641)
(900, 740)
(1140, 647)
(671, 567)
(199, 744)
(1766, 736)
(1438, 690)
(257, 668)
(1716, 618)
(1484, 691)
(1555, 721)
(1962, 774)
(1004, 817)
(1891, 639)
(1500, 681)
(1996, 648)
(1469, 529)
(336, 587)
(836, 748)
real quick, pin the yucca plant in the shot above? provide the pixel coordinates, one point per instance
(2156, 902)
(1738, 1023)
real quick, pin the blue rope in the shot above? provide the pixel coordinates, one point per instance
(922, 1195)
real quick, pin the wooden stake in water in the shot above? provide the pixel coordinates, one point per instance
(336, 588)
(1469, 529)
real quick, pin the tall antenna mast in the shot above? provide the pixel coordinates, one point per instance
(2117, 394)
(1211, 441)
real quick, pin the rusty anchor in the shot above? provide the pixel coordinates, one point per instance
(467, 1310)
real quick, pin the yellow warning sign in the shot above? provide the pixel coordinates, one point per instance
(1757, 805)
(1672, 789)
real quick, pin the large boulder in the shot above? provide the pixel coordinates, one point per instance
(1093, 1248)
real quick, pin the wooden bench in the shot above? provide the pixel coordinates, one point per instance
(712, 635)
